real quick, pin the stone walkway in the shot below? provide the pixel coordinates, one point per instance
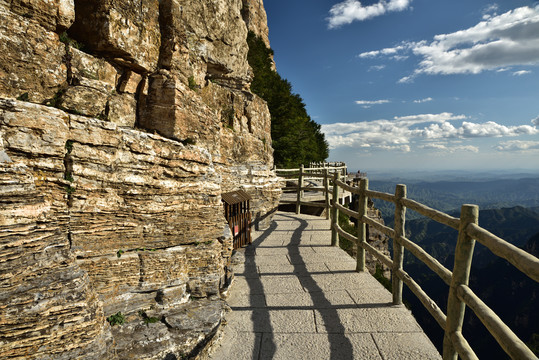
(296, 297)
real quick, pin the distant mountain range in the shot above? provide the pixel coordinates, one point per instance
(449, 196)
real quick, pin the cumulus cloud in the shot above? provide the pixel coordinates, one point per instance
(399, 132)
(500, 41)
(420, 101)
(535, 121)
(517, 145)
(349, 11)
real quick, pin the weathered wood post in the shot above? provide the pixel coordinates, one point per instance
(398, 249)
(300, 191)
(326, 191)
(361, 226)
(469, 214)
(335, 212)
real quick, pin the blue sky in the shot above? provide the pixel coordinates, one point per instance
(416, 84)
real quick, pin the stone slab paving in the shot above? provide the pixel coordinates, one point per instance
(296, 297)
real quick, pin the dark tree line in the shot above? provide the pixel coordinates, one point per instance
(297, 139)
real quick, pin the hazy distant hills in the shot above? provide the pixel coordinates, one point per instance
(515, 225)
(451, 195)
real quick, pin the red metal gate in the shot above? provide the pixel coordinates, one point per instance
(238, 215)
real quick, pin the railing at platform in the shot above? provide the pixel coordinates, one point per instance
(316, 171)
(460, 295)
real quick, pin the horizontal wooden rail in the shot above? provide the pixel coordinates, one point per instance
(344, 234)
(344, 186)
(384, 259)
(377, 254)
(285, 202)
(347, 211)
(427, 259)
(382, 228)
(436, 215)
(314, 189)
(312, 203)
(525, 262)
(501, 332)
(427, 302)
(286, 170)
(380, 195)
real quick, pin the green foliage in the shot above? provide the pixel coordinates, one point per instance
(69, 146)
(119, 253)
(192, 83)
(297, 139)
(116, 319)
(66, 39)
(56, 100)
(344, 243)
(227, 117)
(23, 97)
(379, 275)
(69, 190)
(147, 319)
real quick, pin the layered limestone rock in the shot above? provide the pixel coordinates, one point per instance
(132, 118)
(31, 59)
(126, 31)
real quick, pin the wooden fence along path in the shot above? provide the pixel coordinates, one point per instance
(460, 295)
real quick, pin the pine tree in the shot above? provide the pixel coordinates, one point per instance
(297, 139)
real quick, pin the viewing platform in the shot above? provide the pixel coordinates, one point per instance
(298, 297)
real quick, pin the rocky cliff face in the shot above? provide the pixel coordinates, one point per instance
(121, 124)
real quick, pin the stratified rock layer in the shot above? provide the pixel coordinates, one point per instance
(121, 124)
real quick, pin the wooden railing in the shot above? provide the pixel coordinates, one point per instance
(460, 295)
(316, 171)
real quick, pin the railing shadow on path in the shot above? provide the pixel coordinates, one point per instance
(261, 316)
(340, 347)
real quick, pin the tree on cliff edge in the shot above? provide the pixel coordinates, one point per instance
(297, 139)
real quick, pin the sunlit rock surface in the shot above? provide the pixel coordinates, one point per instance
(121, 124)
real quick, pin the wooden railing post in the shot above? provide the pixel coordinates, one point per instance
(326, 191)
(335, 211)
(361, 226)
(398, 248)
(469, 214)
(300, 191)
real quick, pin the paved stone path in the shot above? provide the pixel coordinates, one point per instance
(296, 297)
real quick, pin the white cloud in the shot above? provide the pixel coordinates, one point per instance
(499, 42)
(400, 132)
(535, 121)
(449, 148)
(349, 11)
(377, 67)
(517, 145)
(368, 103)
(521, 72)
(490, 11)
(420, 101)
